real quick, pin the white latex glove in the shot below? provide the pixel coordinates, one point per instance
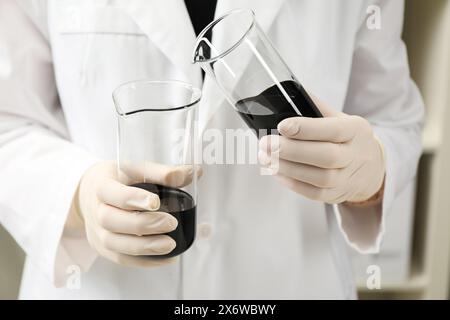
(123, 223)
(334, 159)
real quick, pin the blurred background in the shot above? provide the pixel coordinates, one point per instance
(416, 254)
(415, 257)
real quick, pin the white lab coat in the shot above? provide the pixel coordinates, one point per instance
(59, 62)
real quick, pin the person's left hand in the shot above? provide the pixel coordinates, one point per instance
(334, 159)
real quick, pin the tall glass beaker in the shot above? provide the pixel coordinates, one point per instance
(156, 148)
(250, 72)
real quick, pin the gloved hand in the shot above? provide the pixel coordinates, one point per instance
(123, 223)
(334, 159)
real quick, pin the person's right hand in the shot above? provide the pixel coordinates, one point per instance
(123, 223)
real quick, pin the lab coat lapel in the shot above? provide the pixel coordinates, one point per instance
(266, 12)
(168, 25)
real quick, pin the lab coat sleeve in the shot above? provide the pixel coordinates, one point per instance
(39, 167)
(382, 92)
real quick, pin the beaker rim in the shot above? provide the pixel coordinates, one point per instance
(196, 94)
(215, 22)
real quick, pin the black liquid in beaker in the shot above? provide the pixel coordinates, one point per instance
(180, 205)
(266, 110)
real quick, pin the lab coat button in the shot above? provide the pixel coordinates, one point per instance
(205, 231)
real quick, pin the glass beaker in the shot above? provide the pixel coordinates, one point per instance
(251, 73)
(156, 148)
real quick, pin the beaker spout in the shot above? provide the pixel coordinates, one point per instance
(202, 51)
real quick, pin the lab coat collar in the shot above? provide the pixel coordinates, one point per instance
(266, 11)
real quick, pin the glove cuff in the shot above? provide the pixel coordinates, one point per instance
(378, 196)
